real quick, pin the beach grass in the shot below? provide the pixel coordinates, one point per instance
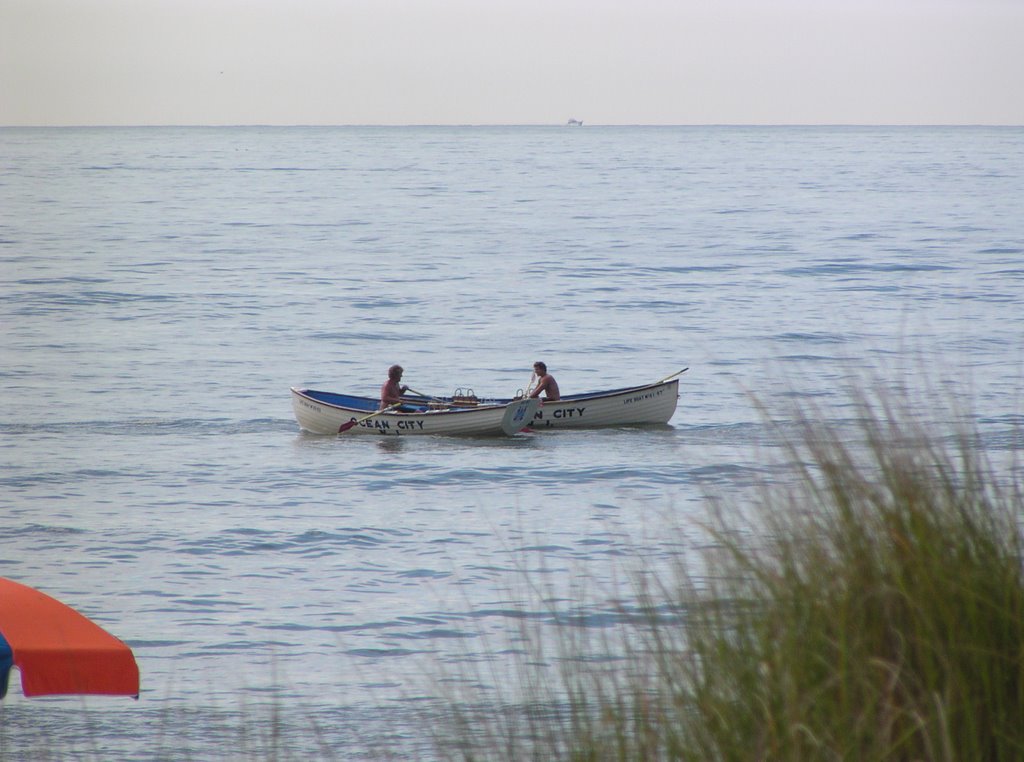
(873, 610)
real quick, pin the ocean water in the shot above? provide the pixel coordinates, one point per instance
(163, 287)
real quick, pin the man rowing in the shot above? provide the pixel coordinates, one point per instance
(391, 392)
(546, 383)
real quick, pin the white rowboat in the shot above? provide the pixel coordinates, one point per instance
(631, 406)
(326, 413)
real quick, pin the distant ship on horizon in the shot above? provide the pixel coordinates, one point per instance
(575, 123)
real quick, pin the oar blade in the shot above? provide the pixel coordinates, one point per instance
(518, 413)
(346, 426)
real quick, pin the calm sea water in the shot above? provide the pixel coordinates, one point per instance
(162, 289)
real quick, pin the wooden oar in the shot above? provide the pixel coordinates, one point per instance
(526, 395)
(529, 387)
(356, 421)
(677, 373)
(421, 394)
(436, 401)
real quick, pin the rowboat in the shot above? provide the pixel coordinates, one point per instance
(322, 412)
(325, 412)
(630, 406)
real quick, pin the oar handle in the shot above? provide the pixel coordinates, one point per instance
(421, 394)
(436, 401)
(677, 373)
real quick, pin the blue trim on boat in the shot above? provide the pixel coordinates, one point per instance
(6, 662)
(343, 400)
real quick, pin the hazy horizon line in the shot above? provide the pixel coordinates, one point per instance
(395, 125)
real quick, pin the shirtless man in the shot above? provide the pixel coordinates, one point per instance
(391, 392)
(546, 383)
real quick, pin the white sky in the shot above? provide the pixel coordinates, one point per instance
(511, 61)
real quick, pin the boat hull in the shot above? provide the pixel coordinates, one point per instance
(650, 404)
(325, 413)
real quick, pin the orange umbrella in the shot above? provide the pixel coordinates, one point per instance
(57, 650)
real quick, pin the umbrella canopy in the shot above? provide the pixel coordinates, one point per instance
(57, 650)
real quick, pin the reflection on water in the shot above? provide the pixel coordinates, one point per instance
(391, 445)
